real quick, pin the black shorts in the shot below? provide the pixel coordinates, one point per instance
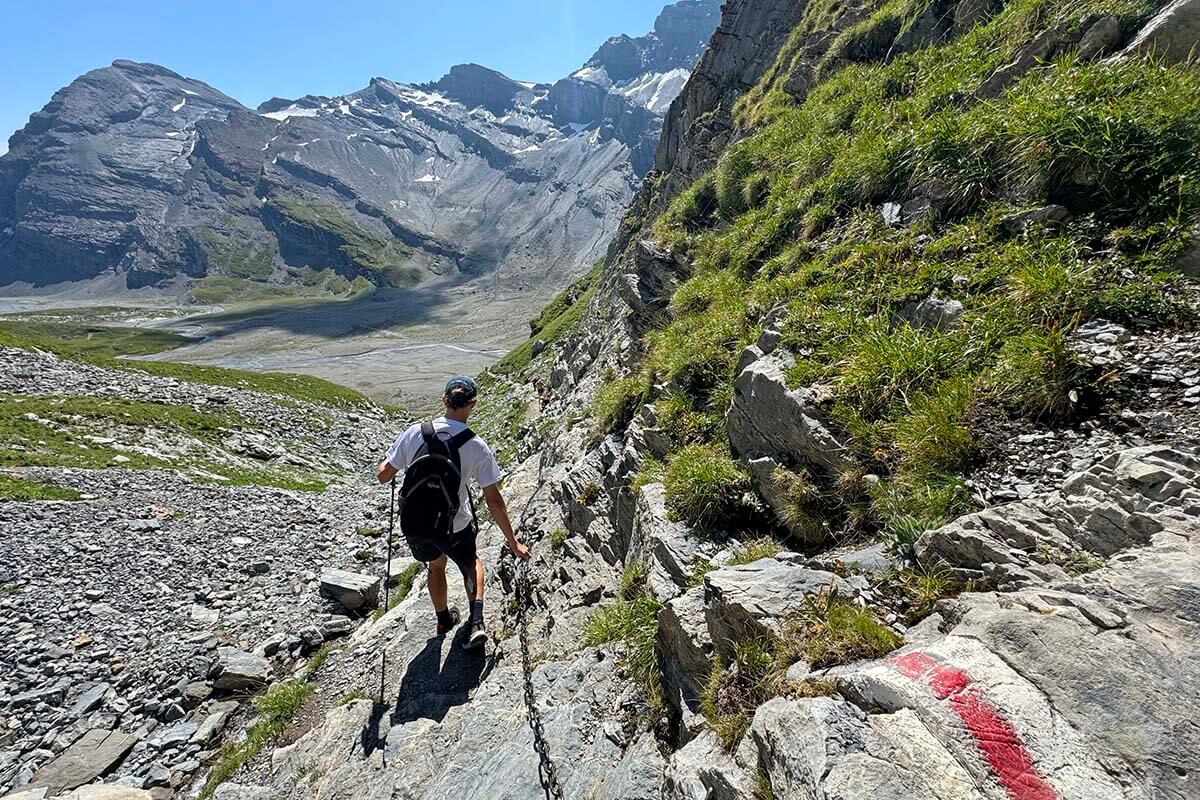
(460, 547)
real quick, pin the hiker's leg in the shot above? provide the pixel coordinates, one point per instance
(478, 578)
(437, 583)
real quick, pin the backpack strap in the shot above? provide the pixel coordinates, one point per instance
(427, 430)
(461, 438)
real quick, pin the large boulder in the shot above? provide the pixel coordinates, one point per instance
(754, 598)
(352, 590)
(1171, 35)
(237, 670)
(766, 418)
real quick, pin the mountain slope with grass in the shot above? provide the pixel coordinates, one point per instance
(876, 431)
(865, 463)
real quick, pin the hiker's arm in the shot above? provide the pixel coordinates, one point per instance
(499, 511)
(386, 472)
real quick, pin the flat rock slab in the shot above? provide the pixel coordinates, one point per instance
(240, 670)
(94, 755)
(352, 590)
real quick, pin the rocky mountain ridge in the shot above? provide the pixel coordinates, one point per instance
(139, 174)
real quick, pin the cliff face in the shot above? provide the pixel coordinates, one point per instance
(866, 464)
(137, 172)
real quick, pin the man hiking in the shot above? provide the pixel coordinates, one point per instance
(437, 515)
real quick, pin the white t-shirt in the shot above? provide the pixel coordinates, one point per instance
(475, 456)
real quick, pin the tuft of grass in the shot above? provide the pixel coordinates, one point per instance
(651, 470)
(763, 790)
(632, 620)
(350, 696)
(752, 676)
(901, 532)
(20, 490)
(705, 486)
(9, 589)
(276, 708)
(404, 584)
(832, 630)
(1039, 374)
(557, 538)
(317, 660)
(617, 401)
(921, 586)
(753, 550)
(800, 510)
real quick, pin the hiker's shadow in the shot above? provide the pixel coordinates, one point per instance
(431, 687)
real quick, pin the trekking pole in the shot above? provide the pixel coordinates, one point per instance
(387, 581)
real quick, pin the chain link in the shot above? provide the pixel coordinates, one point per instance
(547, 772)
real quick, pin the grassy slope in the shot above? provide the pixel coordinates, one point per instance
(502, 409)
(791, 217)
(101, 345)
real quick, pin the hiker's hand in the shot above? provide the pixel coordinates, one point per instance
(520, 551)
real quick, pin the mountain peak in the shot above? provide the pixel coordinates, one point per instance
(475, 85)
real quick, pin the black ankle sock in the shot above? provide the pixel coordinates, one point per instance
(476, 611)
(444, 619)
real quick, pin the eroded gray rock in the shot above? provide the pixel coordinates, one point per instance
(353, 590)
(768, 418)
(237, 669)
(754, 598)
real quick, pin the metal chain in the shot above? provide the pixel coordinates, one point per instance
(547, 772)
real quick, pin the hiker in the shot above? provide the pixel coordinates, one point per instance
(437, 514)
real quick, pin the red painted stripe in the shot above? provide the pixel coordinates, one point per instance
(1001, 746)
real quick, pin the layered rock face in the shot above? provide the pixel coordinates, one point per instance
(136, 171)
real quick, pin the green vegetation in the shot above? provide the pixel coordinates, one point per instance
(85, 342)
(91, 432)
(500, 415)
(20, 490)
(231, 257)
(921, 586)
(632, 619)
(276, 708)
(828, 631)
(753, 550)
(102, 345)
(705, 486)
(350, 696)
(762, 786)
(214, 290)
(556, 321)
(790, 217)
(557, 538)
(404, 584)
(381, 260)
(651, 471)
(9, 589)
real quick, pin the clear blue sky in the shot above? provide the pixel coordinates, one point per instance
(256, 49)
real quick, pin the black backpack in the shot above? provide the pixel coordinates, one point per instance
(429, 494)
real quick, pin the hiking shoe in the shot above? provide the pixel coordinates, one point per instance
(477, 637)
(455, 618)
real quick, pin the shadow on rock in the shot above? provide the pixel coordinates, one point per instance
(431, 687)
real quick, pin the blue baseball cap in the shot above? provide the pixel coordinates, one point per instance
(462, 384)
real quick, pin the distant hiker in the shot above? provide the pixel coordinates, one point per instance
(437, 514)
